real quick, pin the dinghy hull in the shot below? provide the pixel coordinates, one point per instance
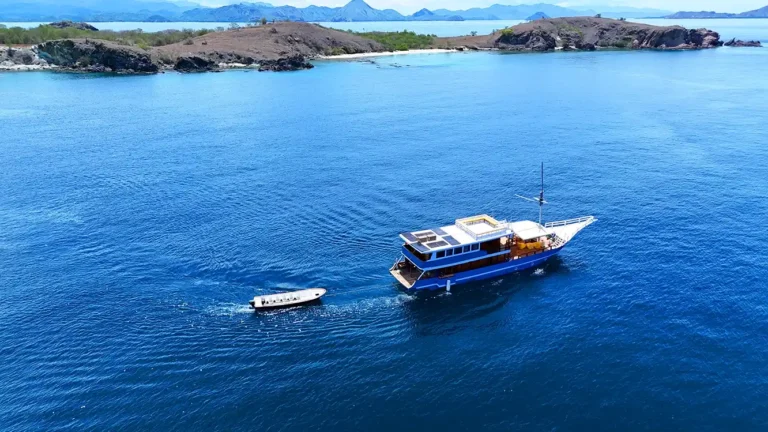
(289, 299)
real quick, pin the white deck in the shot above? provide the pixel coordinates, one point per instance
(568, 229)
(482, 228)
(459, 234)
(477, 229)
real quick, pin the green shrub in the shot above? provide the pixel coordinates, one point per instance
(571, 29)
(335, 51)
(400, 41)
(43, 33)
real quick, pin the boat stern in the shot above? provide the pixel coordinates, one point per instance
(403, 278)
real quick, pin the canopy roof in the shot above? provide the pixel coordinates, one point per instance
(528, 230)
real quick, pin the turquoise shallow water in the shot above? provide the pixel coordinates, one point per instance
(140, 213)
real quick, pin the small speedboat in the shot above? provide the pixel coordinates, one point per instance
(286, 299)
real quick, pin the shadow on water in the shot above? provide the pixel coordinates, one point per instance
(444, 312)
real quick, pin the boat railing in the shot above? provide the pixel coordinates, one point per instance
(569, 222)
(502, 227)
(397, 261)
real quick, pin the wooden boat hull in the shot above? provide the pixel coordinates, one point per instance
(288, 299)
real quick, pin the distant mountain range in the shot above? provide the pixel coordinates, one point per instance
(538, 16)
(757, 13)
(90, 10)
(355, 10)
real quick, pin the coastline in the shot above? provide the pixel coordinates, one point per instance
(289, 46)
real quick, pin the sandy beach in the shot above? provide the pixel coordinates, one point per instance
(387, 53)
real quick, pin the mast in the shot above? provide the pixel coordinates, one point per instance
(540, 198)
(541, 194)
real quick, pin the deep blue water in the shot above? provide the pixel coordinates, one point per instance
(138, 215)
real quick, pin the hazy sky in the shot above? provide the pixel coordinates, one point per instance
(413, 5)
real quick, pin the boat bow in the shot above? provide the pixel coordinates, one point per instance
(566, 230)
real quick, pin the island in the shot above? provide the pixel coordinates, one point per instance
(290, 46)
(757, 13)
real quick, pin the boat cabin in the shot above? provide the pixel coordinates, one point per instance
(469, 244)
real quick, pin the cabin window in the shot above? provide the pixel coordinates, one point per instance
(417, 254)
(457, 251)
(466, 249)
(475, 247)
(441, 254)
(449, 252)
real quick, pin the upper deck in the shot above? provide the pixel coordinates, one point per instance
(465, 231)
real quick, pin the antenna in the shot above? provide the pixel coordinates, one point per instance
(540, 198)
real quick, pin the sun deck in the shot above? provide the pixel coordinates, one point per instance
(464, 232)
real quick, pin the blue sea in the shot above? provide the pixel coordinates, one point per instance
(139, 214)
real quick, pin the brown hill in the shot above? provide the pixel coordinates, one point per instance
(588, 33)
(270, 45)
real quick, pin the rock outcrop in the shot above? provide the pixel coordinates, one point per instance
(587, 33)
(535, 39)
(195, 63)
(740, 43)
(21, 59)
(291, 63)
(91, 55)
(77, 25)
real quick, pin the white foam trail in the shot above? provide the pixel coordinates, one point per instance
(229, 309)
(366, 305)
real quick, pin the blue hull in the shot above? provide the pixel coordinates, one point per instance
(485, 272)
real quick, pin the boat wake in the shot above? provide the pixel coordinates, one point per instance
(229, 309)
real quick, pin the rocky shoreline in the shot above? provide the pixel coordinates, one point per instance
(743, 44)
(292, 46)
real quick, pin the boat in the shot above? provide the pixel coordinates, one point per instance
(287, 299)
(481, 247)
